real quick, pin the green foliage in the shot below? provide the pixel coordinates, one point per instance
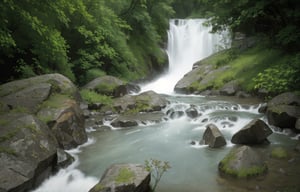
(93, 97)
(281, 77)
(157, 169)
(125, 175)
(80, 38)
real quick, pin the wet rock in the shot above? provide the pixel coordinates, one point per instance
(145, 102)
(242, 162)
(130, 120)
(176, 114)
(255, 132)
(297, 148)
(192, 112)
(122, 90)
(121, 122)
(230, 88)
(283, 116)
(284, 110)
(137, 179)
(263, 108)
(213, 137)
(64, 159)
(27, 152)
(242, 94)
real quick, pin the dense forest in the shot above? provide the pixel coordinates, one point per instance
(83, 39)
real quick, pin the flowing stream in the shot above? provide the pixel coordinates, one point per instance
(194, 166)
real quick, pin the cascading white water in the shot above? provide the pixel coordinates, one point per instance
(188, 42)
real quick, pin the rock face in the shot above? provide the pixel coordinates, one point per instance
(230, 89)
(255, 132)
(242, 162)
(284, 110)
(213, 137)
(124, 178)
(67, 124)
(37, 116)
(27, 152)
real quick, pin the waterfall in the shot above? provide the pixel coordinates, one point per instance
(188, 42)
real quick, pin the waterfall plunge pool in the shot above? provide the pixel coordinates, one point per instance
(194, 167)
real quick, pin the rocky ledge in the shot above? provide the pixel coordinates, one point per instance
(39, 116)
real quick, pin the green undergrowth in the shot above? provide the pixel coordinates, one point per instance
(93, 97)
(242, 67)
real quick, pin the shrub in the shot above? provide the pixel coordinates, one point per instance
(93, 97)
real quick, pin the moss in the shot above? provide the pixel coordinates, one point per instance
(55, 101)
(93, 97)
(8, 151)
(105, 88)
(279, 153)
(241, 173)
(125, 175)
(9, 135)
(19, 109)
(98, 187)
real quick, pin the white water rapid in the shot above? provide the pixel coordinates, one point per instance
(188, 42)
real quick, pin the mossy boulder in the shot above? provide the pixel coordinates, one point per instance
(104, 85)
(145, 102)
(124, 178)
(242, 162)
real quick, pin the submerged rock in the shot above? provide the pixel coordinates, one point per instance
(124, 178)
(242, 162)
(192, 112)
(213, 137)
(255, 132)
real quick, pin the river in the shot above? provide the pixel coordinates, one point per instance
(194, 166)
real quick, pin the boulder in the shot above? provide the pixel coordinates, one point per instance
(145, 102)
(124, 178)
(192, 112)
(104, 85)
(66, 122)
(130, 120)
(255, 132)
(213, 137)
(128, 88)
(173, 114)
(283, 116)
(230, 88)
(242, 162)
(27, 152)
(297, 125)
(284, 110)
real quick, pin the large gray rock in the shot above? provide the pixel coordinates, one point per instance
(124, 178)
(145, 102)
(284, 110)
(242, 162)
(27, 152)
(255, 132)
(66, 122)
(28, 95)
(213, 137)
(230, 88)
(104, 85)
